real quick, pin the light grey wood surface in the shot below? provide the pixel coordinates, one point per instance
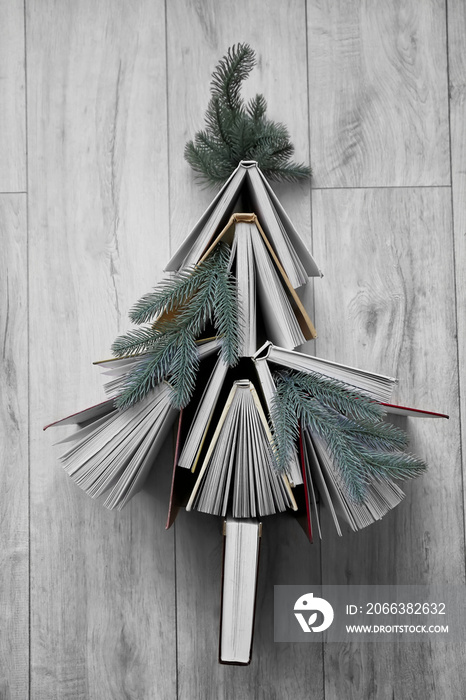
(14, 516)
(12, 97)
(110, 605)
(102, 583)
(394, 314)
(457, 89)
(378, 93)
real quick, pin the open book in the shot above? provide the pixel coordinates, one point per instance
(117, 450)
(378, 386)
(114, 450)
(321, 476)
(265, 294)
(321, 479)
(248, 190)
(238, 470)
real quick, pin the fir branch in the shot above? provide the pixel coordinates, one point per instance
(146, 374)
(226, 317)
(135, 342)
(289, 173)
(256, 108)
(167, 296)
(235, 131)
(375, 435)
(361, 445)
(183, 369)
(398, 465)
(198, 296)
(230, 73)
(335, 394)
(174, 292)
(212, 170)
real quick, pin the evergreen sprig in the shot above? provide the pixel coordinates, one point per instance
(361, 444)
(181, 307)
(237, 131)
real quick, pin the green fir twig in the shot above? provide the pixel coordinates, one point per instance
(360, 443)
(237, 131)
(182, 307)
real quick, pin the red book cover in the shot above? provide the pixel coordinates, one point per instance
(306, 486)
(407, 411)
(182, 480)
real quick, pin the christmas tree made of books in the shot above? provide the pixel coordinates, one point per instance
(262, 427)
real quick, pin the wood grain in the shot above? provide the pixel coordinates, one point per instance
(14, 540)
(457, 78)
(198, 36)
(387, 289)
(12, 97)
(378, 93)
(102, 583)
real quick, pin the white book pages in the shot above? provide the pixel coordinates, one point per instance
(88, 414)
(101, 452)
(280, 321)
(201, 421)
(285, 240)
(88, 429)
(208, 225)
(333, 483)
(377, 386)
(275, 231)
(314, 510)
(295, 239)
(264, 374)
(240, 451)
(100, 472)
(211, 447)
(318, 478)
(246, 289)
(381, 494)
(116, 429)
(240, 567)
(135, 475)
(115, 464)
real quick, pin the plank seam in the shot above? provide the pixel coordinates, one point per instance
(386, 187)
(167, 113)
(167, 110)
(28, 336)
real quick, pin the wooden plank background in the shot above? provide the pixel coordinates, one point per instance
(96, 103)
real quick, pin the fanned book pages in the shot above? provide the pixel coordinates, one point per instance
(378, 386)
(248, 186)
(240, 569)
(322, 476)
(114, 450)
(238, 471)
(265, 294)
(322, 479)
(203, 416)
